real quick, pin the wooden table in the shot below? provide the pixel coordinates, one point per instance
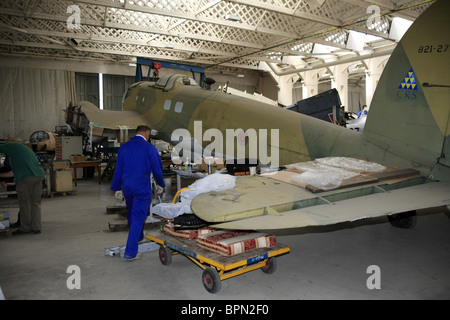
(85, 164)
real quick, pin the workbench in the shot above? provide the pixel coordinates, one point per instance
(84, 165)
(216, 267)
(187, 175)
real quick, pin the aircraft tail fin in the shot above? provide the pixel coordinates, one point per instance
(410, 111)
(80, 116)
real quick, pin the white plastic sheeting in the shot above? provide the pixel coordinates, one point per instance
(328, 173)
(352, 164)
(325, 178)
(212, 182)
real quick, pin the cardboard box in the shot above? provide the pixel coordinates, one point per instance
(61, 165)
(61, 180)
(66, 146)
(77, 158)
(214, 164)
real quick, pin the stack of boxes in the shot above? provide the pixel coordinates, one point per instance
(61, 176)
(65, 146)
(77, 158)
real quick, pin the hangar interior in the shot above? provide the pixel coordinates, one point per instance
(56, 53)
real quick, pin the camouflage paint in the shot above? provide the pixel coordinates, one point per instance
(414, 122)
(408, 128)
(216, 110)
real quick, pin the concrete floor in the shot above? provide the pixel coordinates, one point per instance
(326, 263)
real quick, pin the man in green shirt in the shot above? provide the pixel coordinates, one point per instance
(28, 175)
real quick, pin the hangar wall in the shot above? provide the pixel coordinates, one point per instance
(35, 91)
(33, 99)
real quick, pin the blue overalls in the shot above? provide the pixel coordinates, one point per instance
(136, 160)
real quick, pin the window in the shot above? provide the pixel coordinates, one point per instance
(88, 88)
(167, 104)
(114, 88)
(178, 107)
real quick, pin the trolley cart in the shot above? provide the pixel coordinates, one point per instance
(217, 267)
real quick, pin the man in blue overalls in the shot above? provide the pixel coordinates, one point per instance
(136, 160)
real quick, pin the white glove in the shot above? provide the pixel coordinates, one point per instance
(159, 189)
(119, 195)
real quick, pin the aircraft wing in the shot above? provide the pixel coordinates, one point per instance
(269, 203)
(433, 194)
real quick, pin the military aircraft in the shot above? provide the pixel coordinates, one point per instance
(408, 132)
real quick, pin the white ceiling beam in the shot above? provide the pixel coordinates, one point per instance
(95, 23)
(214, 21)
(105, 51)
(406, 14)
(134, 41)
(286, 11)
(306, 16)
(166, 13)
(112, 40)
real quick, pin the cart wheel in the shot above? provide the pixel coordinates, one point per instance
(271, 266)
(165, 255)
(211, 280)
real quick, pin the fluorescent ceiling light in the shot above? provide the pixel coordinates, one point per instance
(355, 41)
(232, 17)
(100, 90)
(399, 26)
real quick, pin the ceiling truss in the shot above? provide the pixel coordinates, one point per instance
(214, 34)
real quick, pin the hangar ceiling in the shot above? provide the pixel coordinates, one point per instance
(214, 34)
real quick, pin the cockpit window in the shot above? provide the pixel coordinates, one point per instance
(186, 81)
(161, 83)
(167, 82)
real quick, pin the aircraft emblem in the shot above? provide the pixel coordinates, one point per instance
(409, 83)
